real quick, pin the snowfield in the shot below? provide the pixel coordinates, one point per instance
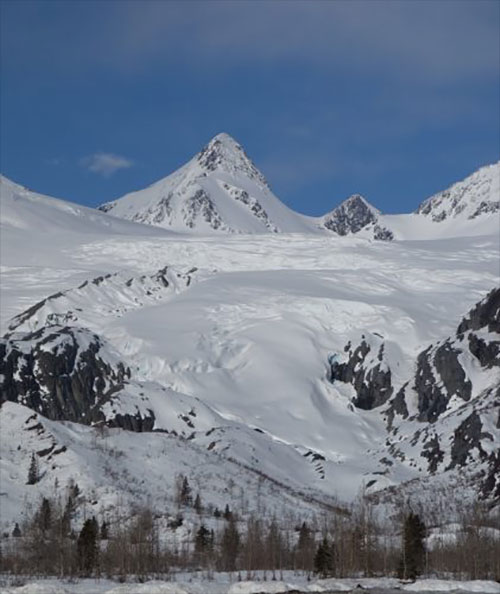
(240, 330)
(226, 584)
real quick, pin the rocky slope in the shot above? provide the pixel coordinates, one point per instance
(446, 414)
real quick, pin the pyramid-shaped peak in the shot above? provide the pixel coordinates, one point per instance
(357, 201)
(351, 215)
(224, 153)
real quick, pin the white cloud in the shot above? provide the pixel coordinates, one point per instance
(105, 164)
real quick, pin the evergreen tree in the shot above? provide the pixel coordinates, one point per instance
(323, 560)
(413, 553)
(104, 531)
(197, 504)
(217, 513)
(228, 514)
(230, 545)
(17, 531)
(33, 471)
(203, 539)
(45, 515)
(87, 546)
(305, 546)
(185, 497)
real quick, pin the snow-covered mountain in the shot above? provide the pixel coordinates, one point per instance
(476, 195)
(306, 364)
(219, 189)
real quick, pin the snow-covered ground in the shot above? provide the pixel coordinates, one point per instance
(229, 584)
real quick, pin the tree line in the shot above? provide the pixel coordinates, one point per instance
(60, 538)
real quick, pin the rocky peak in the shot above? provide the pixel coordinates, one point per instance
(350, 216)
(224, 153)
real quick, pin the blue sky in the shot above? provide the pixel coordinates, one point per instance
(393, 99)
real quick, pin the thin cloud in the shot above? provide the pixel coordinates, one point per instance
(105, 164)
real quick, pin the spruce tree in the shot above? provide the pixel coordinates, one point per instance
(197, 504)
(323, 560)
(230, 545)
(104, 531)
(17, 531)
(185, 497)
(45, 515)
(87, 547)
(203, 538)
(33, 472)
(305, 547)
(413, 551)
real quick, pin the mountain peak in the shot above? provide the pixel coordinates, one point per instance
(351, 215)
(224, 153)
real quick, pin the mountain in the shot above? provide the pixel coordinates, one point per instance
(270, 367)
(352, 216)
(477, 195)
(221, 191)
(218, 190)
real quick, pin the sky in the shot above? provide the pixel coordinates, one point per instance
(392, 99)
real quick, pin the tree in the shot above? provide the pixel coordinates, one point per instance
(228, 514)
(197, 504)
(33, 471)
(230, 545)
(183, 491)
(413, 550)
(305, 546)
(45, 515)
(87, 546)
(323, 560)
(104, 531)
(203, 539)
(17, 531)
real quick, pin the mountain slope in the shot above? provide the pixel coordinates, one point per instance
(219, 190)
(476, 195)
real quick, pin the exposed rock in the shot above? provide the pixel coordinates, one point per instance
(434, 392)
(434, 454)
(350, 216)
(486, 314)
(466, 438)
(65, 373)
(370, 377)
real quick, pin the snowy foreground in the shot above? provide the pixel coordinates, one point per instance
(222, 584)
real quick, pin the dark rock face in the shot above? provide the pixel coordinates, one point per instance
(467, 437)
(350, 217)
(382, 233)
(397, 406)
(435, 393)
(201, 204)
(486, 314)
(434, 454)
(490, 485)
(64, 373)
(370, 378)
